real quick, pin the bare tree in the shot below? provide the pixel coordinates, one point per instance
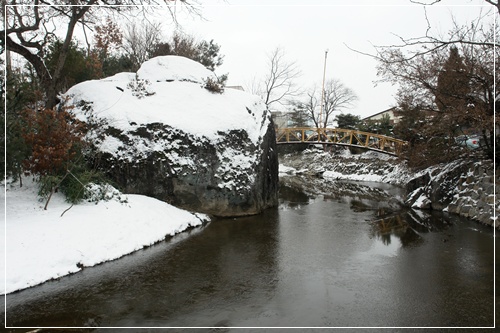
(140, 40)
(495, 3)
(418, 77)
(311, 105)
(279, 85)
(29, 26)
(337, 97)
(481, 32)
(417, 64)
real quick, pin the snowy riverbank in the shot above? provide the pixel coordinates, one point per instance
(369, 166)
(40, 245)
(463, 187)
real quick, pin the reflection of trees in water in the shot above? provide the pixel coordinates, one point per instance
(333, 190)
(389, 221)
(407, 225)
(360, 206)
(387, 225)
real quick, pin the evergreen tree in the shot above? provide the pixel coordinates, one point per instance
(79, 65)
(117, 64)
(452, 84)
(299, 117)
(379, 126)
(21, 92)
(384, 126)
(347, 121)
(208, 54)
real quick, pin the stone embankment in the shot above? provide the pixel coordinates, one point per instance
(464, 187)
(369, 166)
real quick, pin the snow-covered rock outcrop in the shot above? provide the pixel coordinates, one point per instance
(160, 133)
(464, 187)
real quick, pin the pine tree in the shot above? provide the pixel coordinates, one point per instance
(347, 121)
(452, 84)
(79, 65)
(299, 117)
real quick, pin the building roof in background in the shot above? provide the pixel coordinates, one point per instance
(379, 113)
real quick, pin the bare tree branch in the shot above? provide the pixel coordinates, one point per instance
(26, 28)
(279, 83)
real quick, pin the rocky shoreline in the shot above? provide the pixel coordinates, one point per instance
(464, 187)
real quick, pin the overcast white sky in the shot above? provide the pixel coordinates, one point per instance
(248, 30)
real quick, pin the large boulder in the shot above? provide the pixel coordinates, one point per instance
(161, 133)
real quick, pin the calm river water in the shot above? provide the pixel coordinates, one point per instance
(331, 255)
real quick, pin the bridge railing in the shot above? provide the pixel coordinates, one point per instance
(342, 137)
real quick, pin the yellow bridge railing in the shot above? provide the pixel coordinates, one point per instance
(341, 137)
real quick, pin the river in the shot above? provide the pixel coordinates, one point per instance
(338, 254)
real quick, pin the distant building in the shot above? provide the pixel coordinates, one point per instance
(393, 118)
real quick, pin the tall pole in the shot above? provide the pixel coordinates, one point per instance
(323, 91)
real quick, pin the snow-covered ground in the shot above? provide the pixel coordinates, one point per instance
(41, 244)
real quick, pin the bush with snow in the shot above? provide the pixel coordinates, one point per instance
(140, 88)
(103, 192)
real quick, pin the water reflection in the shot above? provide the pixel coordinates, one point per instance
(336, 190)
(292, 197)
(333, 254)
(394, 225)
(207, 274)
(407, 225)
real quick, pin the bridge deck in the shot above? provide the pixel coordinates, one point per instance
(341, 137)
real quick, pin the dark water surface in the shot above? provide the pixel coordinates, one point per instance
(337, 257)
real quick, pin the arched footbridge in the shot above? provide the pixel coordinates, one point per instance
(340, 137)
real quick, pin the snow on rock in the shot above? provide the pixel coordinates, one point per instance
(370, 166)
(434, 188)
(159, 132)
(464, 187)
(169, 68)
(158, 95)
(43, 245)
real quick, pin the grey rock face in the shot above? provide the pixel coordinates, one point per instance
(463, 188)
(231, 177)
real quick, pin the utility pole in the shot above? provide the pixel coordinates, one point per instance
(323, 91)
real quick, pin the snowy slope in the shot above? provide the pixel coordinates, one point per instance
(42, 245)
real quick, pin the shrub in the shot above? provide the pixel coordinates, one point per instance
(139, 88)
(54, 139)
(215, 85)
(55, 142)
(103, 192)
